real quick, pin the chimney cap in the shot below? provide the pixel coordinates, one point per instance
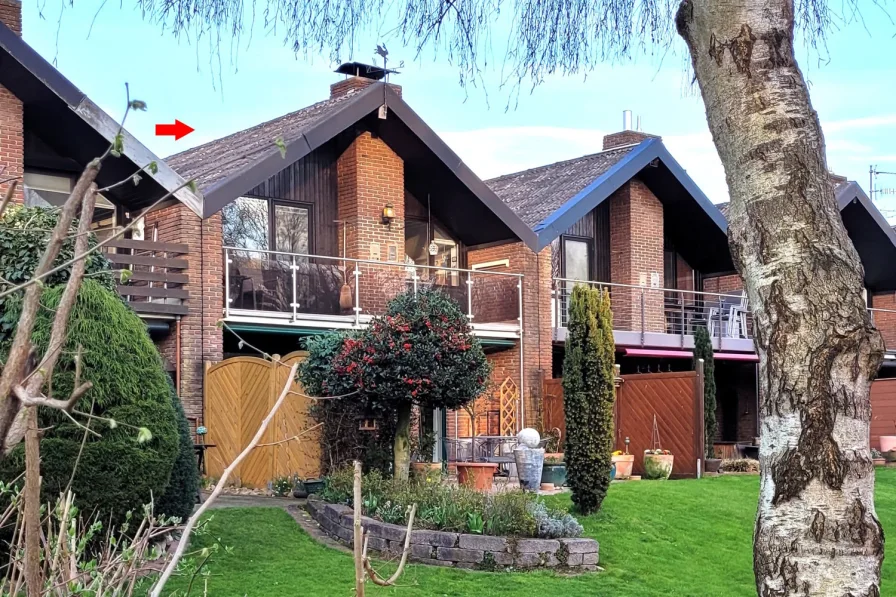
(366, 71)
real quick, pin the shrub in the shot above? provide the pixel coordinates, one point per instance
(115, 473)
(183, 487)
(740, 465)
(589, 395)
(703, 350)
(24, 232)
(554, 524)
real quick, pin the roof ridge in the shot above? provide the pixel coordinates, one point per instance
(587, 156)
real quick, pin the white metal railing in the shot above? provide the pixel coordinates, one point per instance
(319, 287)
(664, 310)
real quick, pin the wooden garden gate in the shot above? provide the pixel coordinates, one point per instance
(239, 393)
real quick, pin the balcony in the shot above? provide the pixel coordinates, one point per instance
(155, 287)
(317, 291)
(663, 317)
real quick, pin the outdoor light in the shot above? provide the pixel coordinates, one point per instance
(627, 442)
(433, 248)
(388, 213)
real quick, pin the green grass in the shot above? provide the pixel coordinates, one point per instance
(682, 538)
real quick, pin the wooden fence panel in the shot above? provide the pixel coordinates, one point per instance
(239, 393)
(883, 410)
(673, 398)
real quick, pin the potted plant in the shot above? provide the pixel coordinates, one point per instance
(553, 445)
(623, 463)
(478, 475)
(423, 468)
(554, 470)
(888, 442)
(877, 458)
(890, 457)
(658, 464)
(711, 464)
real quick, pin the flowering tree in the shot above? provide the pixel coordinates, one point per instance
(421, 352)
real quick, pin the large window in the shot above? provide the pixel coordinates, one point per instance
(291, 228)
(245, 223)
(576, 259)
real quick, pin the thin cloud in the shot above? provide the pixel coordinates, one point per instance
(860, 123)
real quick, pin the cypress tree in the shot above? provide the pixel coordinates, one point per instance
(589, 395)
(703, 350)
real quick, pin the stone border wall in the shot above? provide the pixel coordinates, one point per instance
(479, 552)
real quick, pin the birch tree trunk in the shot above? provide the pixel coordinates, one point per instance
(816, 529)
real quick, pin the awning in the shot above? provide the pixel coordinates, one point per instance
(685, 354)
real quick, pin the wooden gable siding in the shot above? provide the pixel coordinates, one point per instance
(311, 180)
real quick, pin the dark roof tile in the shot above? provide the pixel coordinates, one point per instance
(537, 193)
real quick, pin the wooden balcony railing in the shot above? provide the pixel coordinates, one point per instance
(158, 275)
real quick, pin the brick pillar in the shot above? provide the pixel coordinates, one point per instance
(201, 341)
(636, 257)
(370, 176)
(12, 142)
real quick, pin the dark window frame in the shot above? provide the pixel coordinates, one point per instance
(591, 256)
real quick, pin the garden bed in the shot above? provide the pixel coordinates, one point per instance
(459, 550)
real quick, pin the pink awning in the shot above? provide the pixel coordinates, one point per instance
(686, 354)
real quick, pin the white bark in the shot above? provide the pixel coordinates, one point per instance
(816, 530)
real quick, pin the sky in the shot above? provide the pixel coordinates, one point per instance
(100, 45)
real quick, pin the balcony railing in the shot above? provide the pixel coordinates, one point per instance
(323, 291)
(646, 312)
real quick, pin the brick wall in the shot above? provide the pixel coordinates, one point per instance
(885, 321)
(201, 341)
(12, 144)
(723, 284)
(636, 256)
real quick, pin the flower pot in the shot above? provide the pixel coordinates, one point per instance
(879, 461)
(478, 475)
(430, 472)
(299, 491)
(887, 443)
(554, 474)
(658, 466)
(314, 485)
(556, 456)
(529, 464)
(890, 456)
(712, 465)
(624, 463)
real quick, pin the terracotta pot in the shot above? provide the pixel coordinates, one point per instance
(887, 443)
(624, 464)
(555, 456)
(478, 475)
(426, 471)
(712, 465)
(658, 466)
(879, 461)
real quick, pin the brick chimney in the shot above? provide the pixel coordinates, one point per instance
(836, 179)
(627, 136)
(12, 148)
(358, 76)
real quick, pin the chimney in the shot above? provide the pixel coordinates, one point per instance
(627, 136)
(11, 14)
(358, 76)
(836, 179)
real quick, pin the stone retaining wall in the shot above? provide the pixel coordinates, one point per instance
(438, 548)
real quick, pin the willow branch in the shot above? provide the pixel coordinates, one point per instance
(376, 578)
(289, 439)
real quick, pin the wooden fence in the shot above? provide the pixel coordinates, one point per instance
(239, 393)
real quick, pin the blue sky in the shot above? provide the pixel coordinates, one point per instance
(853, 90)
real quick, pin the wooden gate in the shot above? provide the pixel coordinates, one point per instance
(553, 414)
(239, 393)
(676, 400)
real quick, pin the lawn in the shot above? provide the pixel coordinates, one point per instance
(682, 538)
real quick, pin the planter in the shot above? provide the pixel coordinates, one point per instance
(890, 456)
(612, 471)
(314, 485)
(529, 464)
(554, 474)
(658, 466)
(624, 463)
(430, 472)
(712, 465)
(887, 443)
(299, 491)
(879, 461)
(478, 475)
(555, 456)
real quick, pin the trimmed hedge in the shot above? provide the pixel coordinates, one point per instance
(115, 473)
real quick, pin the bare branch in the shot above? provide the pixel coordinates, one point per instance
(372, 574)
(7, 198)
(289, 439)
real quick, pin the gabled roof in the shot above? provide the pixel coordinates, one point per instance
(871, 234)
(77, 129)
(239, 162)
(550, 199)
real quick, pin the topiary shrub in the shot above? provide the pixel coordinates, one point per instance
(24, 232)
(703, 350)
(116, 473)
(183, 487)
(588, 396)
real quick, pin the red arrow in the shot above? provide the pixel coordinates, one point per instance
(178, 129)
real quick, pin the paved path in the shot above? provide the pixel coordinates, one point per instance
(252, 501)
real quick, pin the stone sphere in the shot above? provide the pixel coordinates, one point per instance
(529, 437)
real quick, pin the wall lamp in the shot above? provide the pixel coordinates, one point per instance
(388, 213)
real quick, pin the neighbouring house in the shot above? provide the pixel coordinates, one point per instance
(49, 131)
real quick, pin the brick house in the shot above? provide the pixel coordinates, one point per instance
(49, 131)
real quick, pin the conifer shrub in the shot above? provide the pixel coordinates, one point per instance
(588, 396)
(703, 350)
(183, 487)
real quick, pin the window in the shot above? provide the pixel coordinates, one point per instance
(245, 224)
(46, 190)
(291, 228)
(576, 259)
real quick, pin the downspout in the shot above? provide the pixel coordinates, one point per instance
(177, 356)
(522, 419)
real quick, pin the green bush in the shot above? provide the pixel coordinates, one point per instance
(703, 350)
(183, 487)
(589, 395)
(116, 473)
(24, 232)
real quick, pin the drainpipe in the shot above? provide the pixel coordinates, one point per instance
(522, 419)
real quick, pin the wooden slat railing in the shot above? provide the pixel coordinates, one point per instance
(158, 274)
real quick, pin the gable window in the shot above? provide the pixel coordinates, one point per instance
(245, 224)
(576, 258)
(291, 228)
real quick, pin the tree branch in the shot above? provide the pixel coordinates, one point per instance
(7, 198)
(289, 439)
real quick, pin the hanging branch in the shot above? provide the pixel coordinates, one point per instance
(374, 576)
